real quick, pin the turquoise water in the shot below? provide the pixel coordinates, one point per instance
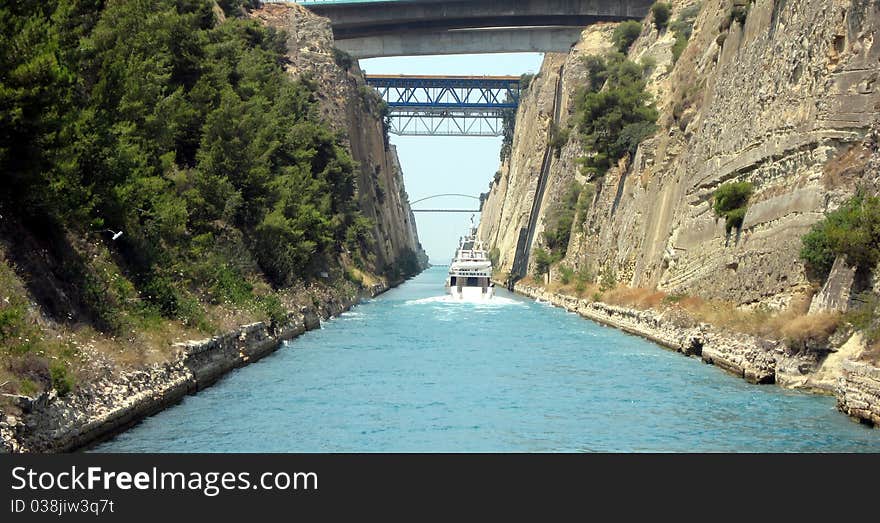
(408, 372)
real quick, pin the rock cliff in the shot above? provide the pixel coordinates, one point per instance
(786, 102)
(784, 99)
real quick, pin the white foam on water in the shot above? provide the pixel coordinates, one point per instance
(495, 301)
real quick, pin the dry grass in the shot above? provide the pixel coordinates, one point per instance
(638, 298)
(810, 329)
(793, 324)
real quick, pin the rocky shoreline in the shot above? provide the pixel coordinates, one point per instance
(855, 384)
(98, 411)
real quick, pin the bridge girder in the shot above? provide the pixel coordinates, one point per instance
(447, 105)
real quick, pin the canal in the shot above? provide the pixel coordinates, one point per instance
(409, 371)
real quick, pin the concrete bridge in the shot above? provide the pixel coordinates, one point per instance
(368, 29)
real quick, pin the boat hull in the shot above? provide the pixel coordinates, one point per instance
(471, 294)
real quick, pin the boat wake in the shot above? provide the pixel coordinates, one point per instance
(495, 301)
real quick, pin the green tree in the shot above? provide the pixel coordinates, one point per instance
(613, 120)
(661, 12)
(625, 34)
(852, 230)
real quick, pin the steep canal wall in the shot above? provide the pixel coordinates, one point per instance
(130, 375)
(99, 410)
(779, 97)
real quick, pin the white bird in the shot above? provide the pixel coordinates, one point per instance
(115, 234)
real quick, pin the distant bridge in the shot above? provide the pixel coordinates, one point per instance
(447, 105)
(368, 29)
(471, 211)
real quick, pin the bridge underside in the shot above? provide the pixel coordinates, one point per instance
(353, 19)
(367, 29)
(468, 41)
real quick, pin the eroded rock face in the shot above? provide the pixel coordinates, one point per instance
(858, 392)
(787, 102)
(837, 291)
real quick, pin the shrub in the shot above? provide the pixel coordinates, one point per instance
(494, 256)
(813, 329)
(682, 28)
(566, 274)
(342, 59)
(730, 202)
(543, 260)
(557, 229)
(585, 274)
(740, 11)
(661, 13)
(585, 200)
(62, 381)
(608, 281)
(558, 137)
(853, 230)
(270, 305)
(625, 34)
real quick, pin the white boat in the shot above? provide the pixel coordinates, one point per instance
(470, 271)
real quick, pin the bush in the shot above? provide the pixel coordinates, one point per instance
(558, 137)
(853, 231)
(543, 260)
(271, 306)
(608, 281)
(731, 201)
(661, 13)
(557, 228)
(682, 28)
(739, 12)
(566, 274)
(585, 200)
(494, 257)
(62, 381)
(813, 329)
(585, 274)
(342, 59)
(625, 34)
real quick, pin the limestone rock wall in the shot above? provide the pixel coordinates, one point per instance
(352, 108)
(788, 102)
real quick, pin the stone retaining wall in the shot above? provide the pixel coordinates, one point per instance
(99, 410)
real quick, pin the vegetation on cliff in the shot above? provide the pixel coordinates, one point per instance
(625, 34)
(162, 163)
(853, 231)
(661, 12)
(682, 28)
(614, 112)
(730, 201)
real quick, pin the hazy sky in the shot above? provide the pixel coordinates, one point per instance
(437, 165)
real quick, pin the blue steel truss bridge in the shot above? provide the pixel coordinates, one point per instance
(447, 105)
